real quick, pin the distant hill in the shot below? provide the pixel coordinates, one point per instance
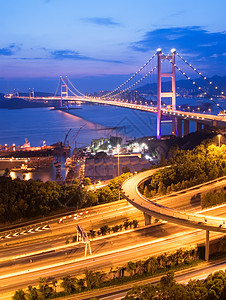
(186, 88)
(15, 103)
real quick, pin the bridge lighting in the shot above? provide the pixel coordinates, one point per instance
(173, 50)
(159, 50)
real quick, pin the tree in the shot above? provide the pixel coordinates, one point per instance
(32, 293)
(45, 290)
(161, 188)
(92, 233)
(7, 172)
(93, 279)
(54, 284)
(146, 192)
(68, 284)
(126, 224)
(135, 223)
(19, 295)
(86, 181)
(115, 228)
(104, 229)
(131, 267)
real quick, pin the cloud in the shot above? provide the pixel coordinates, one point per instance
(31, 58)
(101, 21)
(74, 55)
(192, 39)
(67, 54)
(10, 50)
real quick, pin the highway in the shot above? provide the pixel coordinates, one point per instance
(117, 293)
(152, 208)
(109, 251)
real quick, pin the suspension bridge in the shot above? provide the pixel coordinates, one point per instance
(164, 67)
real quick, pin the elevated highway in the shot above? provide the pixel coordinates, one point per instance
(151, 208)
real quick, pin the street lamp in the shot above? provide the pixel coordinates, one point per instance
(118, 148)
(219, 138)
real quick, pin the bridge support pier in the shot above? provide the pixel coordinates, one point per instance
(147, 219)
(198, 126)
(206, 126)
(186, 127)
(174, 126)
(207, 246)
(179, 127)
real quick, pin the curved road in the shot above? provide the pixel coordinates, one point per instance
(131, 193)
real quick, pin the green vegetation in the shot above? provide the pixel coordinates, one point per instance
(213, 198)
(137, 270)
(188, 168)
(211, 288)
(115, 276)
(20, 200)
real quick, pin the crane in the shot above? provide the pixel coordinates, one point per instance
(65, 140)
(74, 139)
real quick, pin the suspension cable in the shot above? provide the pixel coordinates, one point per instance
(194, 83)
(73, 93)
(138, 81)
(200, 74)
(75, 88)
(135, 74)
(57, 88)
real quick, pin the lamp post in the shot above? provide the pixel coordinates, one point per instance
(118, 148)
(219, 138)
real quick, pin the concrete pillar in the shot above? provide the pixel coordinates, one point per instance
(198, 126)
(214, 123)
(207, 247)
(186, 127)
(174, 126)
(147, 219)
(179, 127)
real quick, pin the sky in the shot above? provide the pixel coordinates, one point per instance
(99, 43)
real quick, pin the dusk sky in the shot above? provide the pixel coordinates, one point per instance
(98, 44)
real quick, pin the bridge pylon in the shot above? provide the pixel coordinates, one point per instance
(161, 94)
(63, 89)
(31, 94)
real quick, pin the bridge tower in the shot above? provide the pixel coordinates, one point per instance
(161, 94)
(63, 89)
(31, 94)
